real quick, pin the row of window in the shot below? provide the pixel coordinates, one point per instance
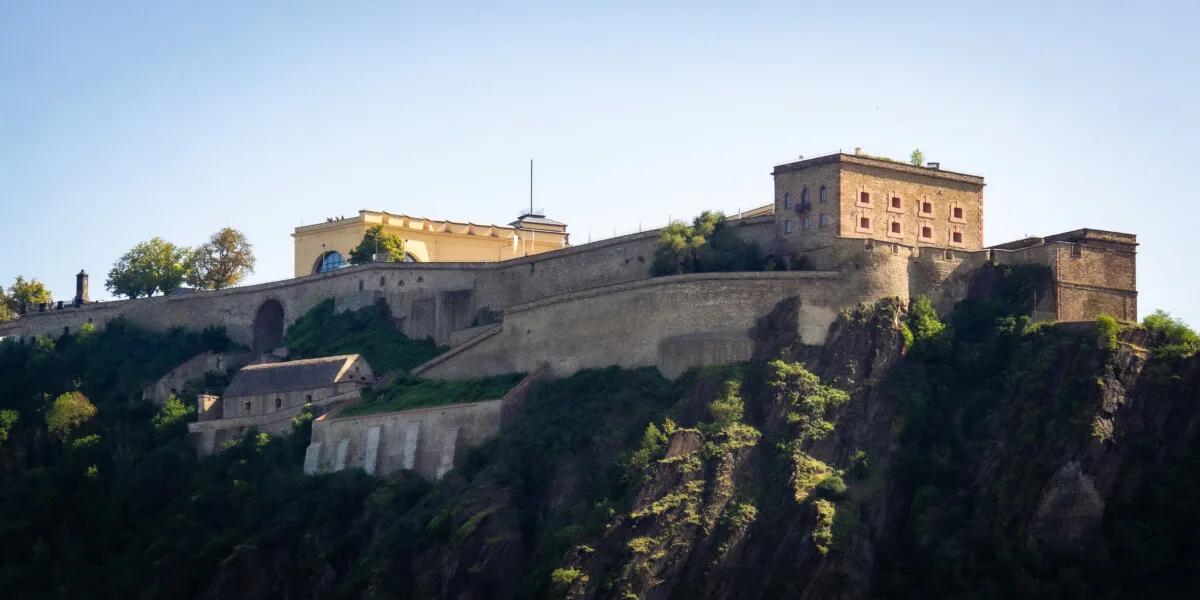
(896, 228)
(896, 204)
(806, 223)
(822, 197)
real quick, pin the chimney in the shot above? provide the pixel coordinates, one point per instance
(208, 407)
(857, 151)
(933, 165)
(81, 288)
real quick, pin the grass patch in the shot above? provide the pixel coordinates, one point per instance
(413, 392)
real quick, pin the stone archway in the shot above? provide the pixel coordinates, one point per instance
(268, 327)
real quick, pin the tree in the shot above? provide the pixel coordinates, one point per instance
(917, 158)
(707, 245)
(68, 412)
(221, 262)
(24, 296)
(156, 265)
(376, 241)
(7, 312)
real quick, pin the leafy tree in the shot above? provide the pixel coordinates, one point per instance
(24, 296)
(917, 158)
(377, 241)
(68, 412)
(709, 244)
(1176, 340)
(223, 261)
(172, 413)
(7, 312)
(156, 265)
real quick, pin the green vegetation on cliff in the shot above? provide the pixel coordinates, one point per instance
(412, 392)
(369, 331)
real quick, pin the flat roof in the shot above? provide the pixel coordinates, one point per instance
(872, 161)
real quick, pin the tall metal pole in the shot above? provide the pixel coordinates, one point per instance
(531, 186)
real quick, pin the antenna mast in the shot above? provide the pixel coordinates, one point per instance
(531, 186)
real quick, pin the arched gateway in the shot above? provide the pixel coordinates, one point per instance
(268, 327)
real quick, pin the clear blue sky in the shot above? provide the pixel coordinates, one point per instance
(123, 122)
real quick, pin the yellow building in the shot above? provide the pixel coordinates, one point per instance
(326, 246)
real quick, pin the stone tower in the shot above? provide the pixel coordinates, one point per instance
(81, 288)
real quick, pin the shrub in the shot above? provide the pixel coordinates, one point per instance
(822, 534)
(833, 487)
(923, 320)
(173, 412)
(1175, 339)
(1106, 332)
(562, 579)
(68, 412)
(8, 421)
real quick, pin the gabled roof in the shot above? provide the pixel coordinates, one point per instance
(296, 375)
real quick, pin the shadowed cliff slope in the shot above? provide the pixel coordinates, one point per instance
(975, 455)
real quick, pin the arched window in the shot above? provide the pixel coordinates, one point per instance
(329, 261)
(822, 195)
(804, 197)
(787, 200)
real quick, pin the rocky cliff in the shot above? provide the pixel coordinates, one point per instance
(976, 454)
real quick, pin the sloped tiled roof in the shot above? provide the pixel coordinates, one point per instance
(295, 375)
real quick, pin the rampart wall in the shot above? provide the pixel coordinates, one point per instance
(628, 324)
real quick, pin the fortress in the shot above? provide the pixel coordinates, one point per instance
(854, 229)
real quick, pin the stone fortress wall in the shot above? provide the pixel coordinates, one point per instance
(596, 305)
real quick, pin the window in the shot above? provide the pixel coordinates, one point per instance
(787, 227)
(308, 398)
(956, 237)
(787, 200)
(382, 281)
(926, 232)
(824, 221)
(895, 226)
(895, 201)
(926, 207)
(360, 285)
(329, 261)
(958, 212)
(278, 403)
(806, 223)
(822, 195)
(864, 198)
(948, 254)
(804, 197)
(1076, 251)
(864, 222)
(246, 406)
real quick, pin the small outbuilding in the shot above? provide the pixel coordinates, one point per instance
(267, 396)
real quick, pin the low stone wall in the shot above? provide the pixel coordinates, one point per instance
(191, 369)
(208, 436)
(426, 440)
(630, 324)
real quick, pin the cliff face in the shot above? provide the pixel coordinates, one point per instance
(991, 457)
(907, 457)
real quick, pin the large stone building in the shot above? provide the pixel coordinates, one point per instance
(267, 396)
(326, 246)
(856, 196)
